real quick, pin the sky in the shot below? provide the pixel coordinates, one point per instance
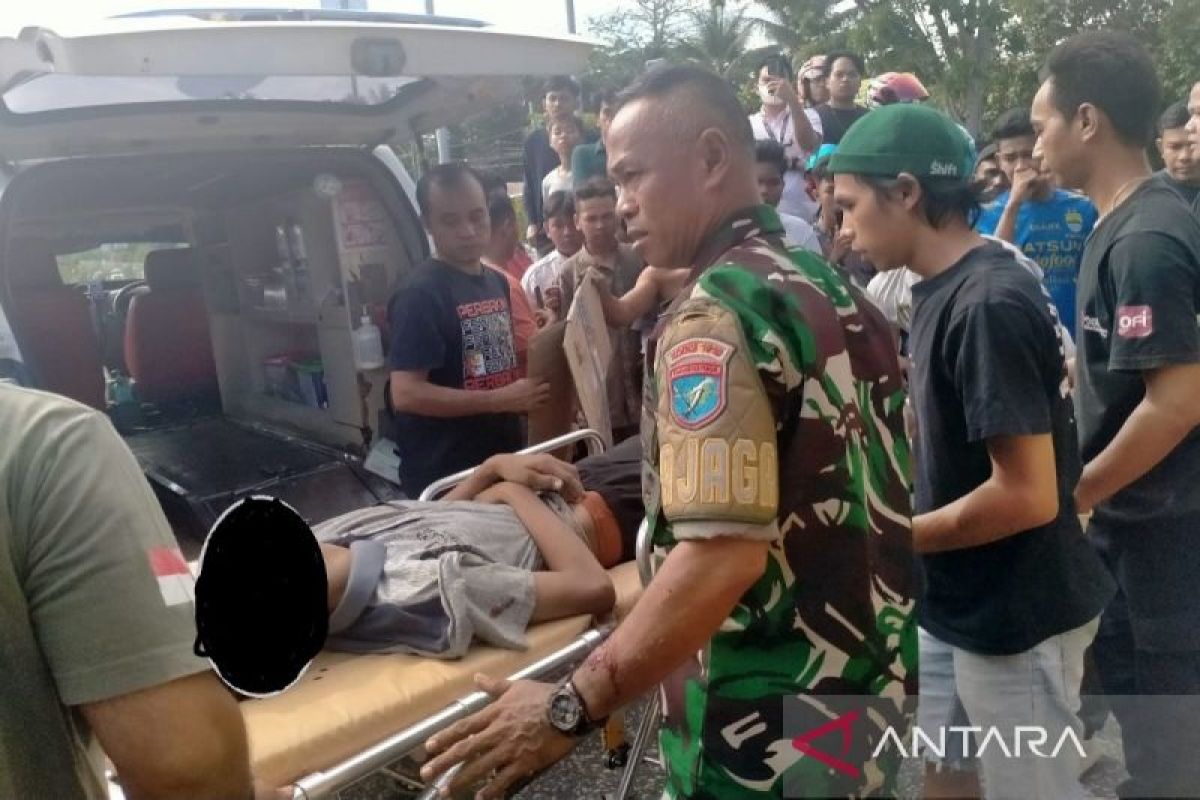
(544, 16)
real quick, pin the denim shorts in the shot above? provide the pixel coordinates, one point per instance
(1039, 687)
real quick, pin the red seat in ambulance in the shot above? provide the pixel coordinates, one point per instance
(167, 344)
(53, 325)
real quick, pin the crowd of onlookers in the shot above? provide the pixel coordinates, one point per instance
(1032, 401)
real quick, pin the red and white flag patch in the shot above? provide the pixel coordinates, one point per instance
(175, 580)
(1135, 322)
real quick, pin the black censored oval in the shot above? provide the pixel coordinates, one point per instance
(261, 595)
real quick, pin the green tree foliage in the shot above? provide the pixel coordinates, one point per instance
(1179, 48)
(718, 40)
(980, 57)
(637, 32)
(806, 28)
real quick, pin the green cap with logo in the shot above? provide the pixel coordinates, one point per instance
(904, 138)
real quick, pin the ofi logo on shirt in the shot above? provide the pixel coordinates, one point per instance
(1135, 322)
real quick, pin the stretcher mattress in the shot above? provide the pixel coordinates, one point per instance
(345, 703)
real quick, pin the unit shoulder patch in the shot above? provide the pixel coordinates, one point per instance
(698, 376)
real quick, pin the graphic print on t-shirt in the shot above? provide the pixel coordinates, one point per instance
(1052, 232)
(489, 357)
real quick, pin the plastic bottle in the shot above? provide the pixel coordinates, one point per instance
(368, 345)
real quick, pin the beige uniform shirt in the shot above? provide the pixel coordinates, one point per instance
(95, 601)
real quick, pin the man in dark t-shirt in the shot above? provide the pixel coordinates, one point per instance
(1012, 591)
(1138, 383)
(844, 72)
(455, 388)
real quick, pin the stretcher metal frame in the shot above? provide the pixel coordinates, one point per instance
(325, 783)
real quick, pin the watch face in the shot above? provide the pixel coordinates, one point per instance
(565, 712)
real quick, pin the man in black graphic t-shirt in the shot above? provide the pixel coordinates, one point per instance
(455, 388)
(1138, 382)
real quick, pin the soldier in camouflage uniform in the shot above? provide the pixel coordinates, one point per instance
(775, 411)
(780, 622)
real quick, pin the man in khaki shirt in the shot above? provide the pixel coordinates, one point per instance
(97, 623)
(618, 267)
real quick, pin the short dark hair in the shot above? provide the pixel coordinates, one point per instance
(1111, 71)
(1013, 124)
(607, 97)
(770, 152)
(941, 201)
(454, 173)
(559, 204)
(561, 83)
(571, 119)
(776, 64)
(855, 58)
(1176, 116)
(987, 152)
(594, 188)
(500, 209)
(717, 92)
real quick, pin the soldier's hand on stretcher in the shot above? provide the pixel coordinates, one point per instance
(501, 746)
(541, 473)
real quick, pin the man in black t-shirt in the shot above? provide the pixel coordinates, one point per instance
(455, 388)
(1138, 383)
(844, 73)
(1012, 590)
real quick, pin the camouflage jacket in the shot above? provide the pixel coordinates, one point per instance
(774, 412)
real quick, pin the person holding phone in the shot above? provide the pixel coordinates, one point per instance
(784, 119)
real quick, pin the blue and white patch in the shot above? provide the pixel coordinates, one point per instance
(698, 379)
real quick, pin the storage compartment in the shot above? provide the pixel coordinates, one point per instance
(308, 265)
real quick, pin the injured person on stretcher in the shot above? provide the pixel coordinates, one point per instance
(482, 563)
(518, 542)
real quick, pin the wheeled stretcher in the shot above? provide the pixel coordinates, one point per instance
(352, 715)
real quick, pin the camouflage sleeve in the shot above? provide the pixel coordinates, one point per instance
(718, 458)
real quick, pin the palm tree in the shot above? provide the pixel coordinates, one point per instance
(718, 39)
(804, 27)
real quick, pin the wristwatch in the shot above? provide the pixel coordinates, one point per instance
(567, 713)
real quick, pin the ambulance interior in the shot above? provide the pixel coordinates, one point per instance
(209, 304)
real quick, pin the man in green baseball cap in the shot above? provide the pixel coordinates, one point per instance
(1013, 592)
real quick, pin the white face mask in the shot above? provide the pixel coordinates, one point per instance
(768, 99)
